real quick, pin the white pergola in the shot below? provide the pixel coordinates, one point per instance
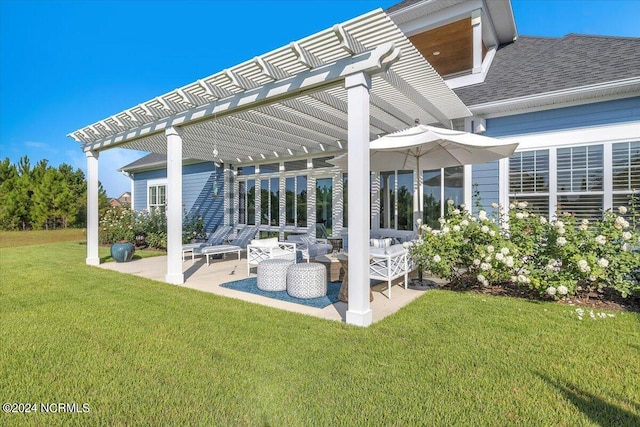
(352, 83)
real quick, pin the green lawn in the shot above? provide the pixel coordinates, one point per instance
(140, 352)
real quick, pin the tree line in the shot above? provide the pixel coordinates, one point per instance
(42, 196)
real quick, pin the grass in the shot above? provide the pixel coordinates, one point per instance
(140, 352)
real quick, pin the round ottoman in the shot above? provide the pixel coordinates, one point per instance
(272, 274)
(307, 280)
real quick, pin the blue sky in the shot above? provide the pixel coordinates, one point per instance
(67, 64)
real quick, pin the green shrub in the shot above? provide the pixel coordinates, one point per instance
(557, 258)
(123, 224)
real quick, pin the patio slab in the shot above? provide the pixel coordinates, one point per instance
(208, 278)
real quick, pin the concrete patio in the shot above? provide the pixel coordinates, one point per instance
(205, 278)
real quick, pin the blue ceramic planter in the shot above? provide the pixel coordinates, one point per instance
(122, 252)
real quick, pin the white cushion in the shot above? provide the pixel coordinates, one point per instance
(265, 243)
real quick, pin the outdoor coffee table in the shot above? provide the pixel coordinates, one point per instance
(335, 272)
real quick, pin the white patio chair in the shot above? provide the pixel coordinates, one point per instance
(236, 245)
(216, 238)
(263, 249)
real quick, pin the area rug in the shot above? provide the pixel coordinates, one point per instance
(251, 285)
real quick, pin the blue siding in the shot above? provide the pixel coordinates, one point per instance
(197, 191)
(598, 114)
(485, 178)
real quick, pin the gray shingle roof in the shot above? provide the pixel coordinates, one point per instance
(148, 160)
(401, 5)
(536, 65)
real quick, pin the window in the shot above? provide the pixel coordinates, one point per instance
(157, 196)
(247, 202)
(626, 172)
(269, 201)
(345, 200)
(324, 202)
(296, 201)
(437, 184)
(529, 180)
(580, 180)
(396, 200)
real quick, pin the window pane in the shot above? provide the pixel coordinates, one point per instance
(454, 185)
(405, 200)
(626, 166)
(321, 162)
(324, 205)
(275, 201)
(538, 205)
(251, 202)
(264, 201)
(270, 168)
(153, 196)
(242, 202)
(580, 169)
(295, 165)
(582, 206)
(431, 204)
(290, 200)
(387, 199)
(301, 200)
(529, 172)
(246, 170)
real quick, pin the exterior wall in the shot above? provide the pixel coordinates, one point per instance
(597, 114)
(197, 191)
(485, 179)
(599, 124)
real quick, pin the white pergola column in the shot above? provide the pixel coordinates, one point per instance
(93, 220)
(359, 311)
(174, 206)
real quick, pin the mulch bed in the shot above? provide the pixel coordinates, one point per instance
(607, 300)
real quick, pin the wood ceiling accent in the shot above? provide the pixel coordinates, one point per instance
(454, 42)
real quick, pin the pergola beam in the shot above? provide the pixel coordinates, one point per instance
(369, 62)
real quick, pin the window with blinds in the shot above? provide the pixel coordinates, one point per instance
(580, 169)
(529, 180)
(626, 166)
(587, 206)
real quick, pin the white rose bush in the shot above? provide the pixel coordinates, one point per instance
(557, 257)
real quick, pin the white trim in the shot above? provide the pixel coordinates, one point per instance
(472, 79)
(598, 92)
(607, 175)
(622, 132)
(158, 182)
(430, 20)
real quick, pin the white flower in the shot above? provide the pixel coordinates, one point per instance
(482, 215)
(500, 256)
(462, 206)
(519, 215)
(492, 233)
(562, 290)
(436, 259)
(620, 220)
(464, 223)
(445, 230)
(509, 261)
(585, 221)
(622, 210)
(504, 251)
(425, 227)
(603, 262)
(473, 218)
(484, 229)
(476, 262)
(512, 206)
(494, 205)
(490, 249)
(419, 222)
(601, 240)
(526, 214)
(450, 202)
(523, 279)
(485, 266)
(543, 220)
(456, 228)
(487, 258)
(626, 235)
(582, 264)
(583, 227)
(456, 212)
(560, 231)
(559, 224)
(480, 278)
(561, 241)
(551, 291)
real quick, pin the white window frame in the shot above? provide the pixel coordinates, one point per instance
(162, 182)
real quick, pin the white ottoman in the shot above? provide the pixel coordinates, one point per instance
(272, 274)
(308, 280)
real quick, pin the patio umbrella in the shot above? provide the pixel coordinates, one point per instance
(427, 147)
(423, 147)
